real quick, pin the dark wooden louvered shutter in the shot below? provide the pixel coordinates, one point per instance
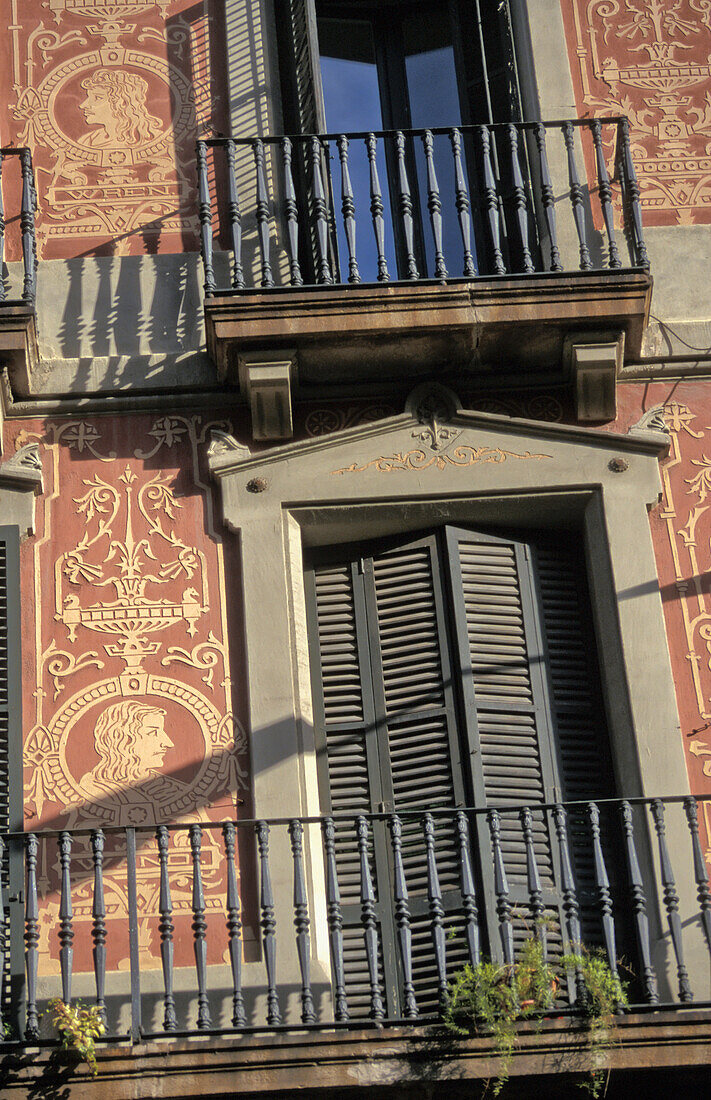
(302, 96)
(384, 711)
(474, 683)
(10, 768)
(532, 701)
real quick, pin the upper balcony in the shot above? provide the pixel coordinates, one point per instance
(378, 258)
(18, 328)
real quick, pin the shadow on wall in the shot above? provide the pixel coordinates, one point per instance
(120, 305)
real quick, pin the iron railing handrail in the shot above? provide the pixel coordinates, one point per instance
(375, 815)
(418, 131)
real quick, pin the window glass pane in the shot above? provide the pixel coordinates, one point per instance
(351, 93)
(434, 101)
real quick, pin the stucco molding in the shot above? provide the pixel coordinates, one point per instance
(20, 483)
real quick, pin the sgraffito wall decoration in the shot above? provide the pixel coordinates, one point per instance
(681, 532)
(649, 60)
(129, 684)
(110, 95)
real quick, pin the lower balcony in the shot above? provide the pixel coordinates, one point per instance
(482, 251)
(318, 954)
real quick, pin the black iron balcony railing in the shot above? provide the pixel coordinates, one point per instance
(26, 227)
(302, 931)
(470, 201)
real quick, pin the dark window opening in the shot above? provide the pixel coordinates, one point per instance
(457, 669)
(362, 66)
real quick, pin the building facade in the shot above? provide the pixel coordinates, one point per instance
(354, 600)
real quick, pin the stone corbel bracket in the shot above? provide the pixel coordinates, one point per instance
(20, 483)
(595, 363)
(266, 383)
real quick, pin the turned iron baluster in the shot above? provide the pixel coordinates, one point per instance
(519, 197)
(602, 884)
(320, 209)
(199, 930)
(268, 922)
(2, 238)
(671, 900)
(571, 909)
(434, 205)
(605, 192)
(466, 878)
(292, 214)
(66, 930)
(165, 927)
(31, 935)
(377, 208)
(577, 196)
(405, 207)
(434, 896)
(639, 904)
(402, 918)
(370, 931)
(535, 893)
(234, 927)
(703, 890)
(632, 191)
(491, 200)
(98, 913)
(547, 196)
(348, 210)
(301, 922)
(262, 212)
(335, 919)
(234, 215)
(27, 227)
(205, 217)
(501, 889)
(461, 201)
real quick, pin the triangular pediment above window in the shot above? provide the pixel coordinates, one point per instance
(437, 446)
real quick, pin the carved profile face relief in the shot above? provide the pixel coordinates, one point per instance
(116, 104)
(131, 741)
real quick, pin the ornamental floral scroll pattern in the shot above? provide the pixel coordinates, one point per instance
(649, 60)
(131, 631)
(462, 455)
(686, 514)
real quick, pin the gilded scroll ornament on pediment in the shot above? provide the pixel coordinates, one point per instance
(461, 455)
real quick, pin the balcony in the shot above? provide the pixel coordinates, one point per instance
(304, 950)
(18, 259)
(482, 251)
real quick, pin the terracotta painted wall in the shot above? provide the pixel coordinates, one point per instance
(133, 705)
(131, 618)
(649, 59)
(111, 95)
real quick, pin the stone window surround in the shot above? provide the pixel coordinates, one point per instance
(289, 497)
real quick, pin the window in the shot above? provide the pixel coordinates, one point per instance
(456, 669)
(364, 66)
(11, 818)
